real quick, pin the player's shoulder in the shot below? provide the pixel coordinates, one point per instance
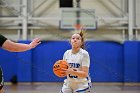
(83, 51)
(68, 51)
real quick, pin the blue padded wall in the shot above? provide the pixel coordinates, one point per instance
(132, 61)
(106, 61)
(138, 64)
(110, 61)
(8, 63)
(24, 70)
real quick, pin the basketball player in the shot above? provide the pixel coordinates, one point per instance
(78, 80)
(14, 47)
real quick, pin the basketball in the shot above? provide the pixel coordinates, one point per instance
(57, 68)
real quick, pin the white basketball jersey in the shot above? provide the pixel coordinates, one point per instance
(77, 61)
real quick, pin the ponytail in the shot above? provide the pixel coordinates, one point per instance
(81, 33)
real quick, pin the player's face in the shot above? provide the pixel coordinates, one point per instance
(76, 41)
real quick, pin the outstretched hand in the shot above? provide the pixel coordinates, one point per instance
(35, 42)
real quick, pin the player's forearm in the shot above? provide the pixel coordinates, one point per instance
(80, 74)
(21, 48)
(15, 47)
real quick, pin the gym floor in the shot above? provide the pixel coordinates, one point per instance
(55, 87)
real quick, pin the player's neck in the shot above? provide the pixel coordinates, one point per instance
(75, 50)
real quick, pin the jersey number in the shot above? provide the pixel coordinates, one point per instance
(72, 76)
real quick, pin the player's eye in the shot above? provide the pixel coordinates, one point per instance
(73, 38)
(78, 38)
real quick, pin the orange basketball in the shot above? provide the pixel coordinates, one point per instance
(57, 68)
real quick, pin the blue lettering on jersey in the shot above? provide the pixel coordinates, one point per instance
(74, 65)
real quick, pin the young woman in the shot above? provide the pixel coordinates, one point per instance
(14, 47)
(78, 80)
